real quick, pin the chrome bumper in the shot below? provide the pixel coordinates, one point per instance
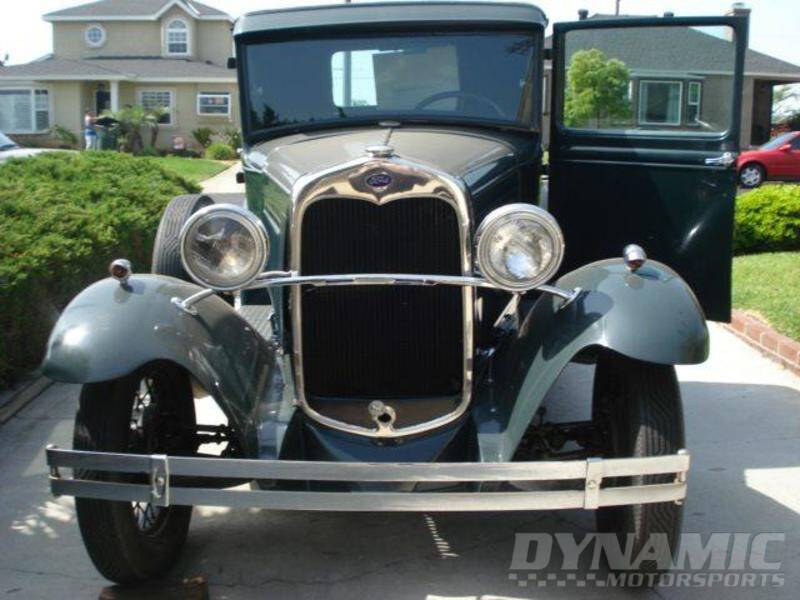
(160, 491)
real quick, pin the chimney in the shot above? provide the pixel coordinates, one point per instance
(737, 9)
(583, 14)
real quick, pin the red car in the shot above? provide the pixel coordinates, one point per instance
(778, 159)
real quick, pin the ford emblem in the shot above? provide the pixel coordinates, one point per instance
(379, 180)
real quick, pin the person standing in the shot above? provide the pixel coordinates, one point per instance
(90, 132)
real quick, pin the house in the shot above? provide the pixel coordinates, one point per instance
(113, 53)
(680, 77)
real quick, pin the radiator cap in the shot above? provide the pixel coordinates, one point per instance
(380, 151)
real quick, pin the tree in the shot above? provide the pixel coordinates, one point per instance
(785, 102)
(597, 90)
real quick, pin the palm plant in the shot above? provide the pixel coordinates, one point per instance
(132, 121)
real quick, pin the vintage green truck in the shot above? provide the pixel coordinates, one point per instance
(380, 316)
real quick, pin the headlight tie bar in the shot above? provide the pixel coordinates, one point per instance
(271, 279)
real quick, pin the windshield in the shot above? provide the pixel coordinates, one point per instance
(406, 77)
(779, 141)
(5, 142)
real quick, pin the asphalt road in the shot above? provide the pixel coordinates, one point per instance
(743, 428)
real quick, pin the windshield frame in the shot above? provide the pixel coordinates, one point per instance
(785, 138)
(535, 74)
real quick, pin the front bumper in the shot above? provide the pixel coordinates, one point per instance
(162, 491)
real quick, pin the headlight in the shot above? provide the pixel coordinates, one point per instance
(519, 247)
(224, 247)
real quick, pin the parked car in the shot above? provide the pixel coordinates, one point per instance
(401, 304)
(778, 159)
(10, 149)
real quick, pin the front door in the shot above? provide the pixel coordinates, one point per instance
(785, 160)
(103, 101)
(644, 137)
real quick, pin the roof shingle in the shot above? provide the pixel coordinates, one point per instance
(130, 8)
(117, 68)
(676, 49)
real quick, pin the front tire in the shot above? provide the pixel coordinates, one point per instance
(638, 405)
(150, 411)
(752, 175)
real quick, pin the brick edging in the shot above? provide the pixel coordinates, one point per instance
(778, 347)
(20, 398)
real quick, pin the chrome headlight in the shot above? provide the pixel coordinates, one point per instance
(224, 247)
(519, 246)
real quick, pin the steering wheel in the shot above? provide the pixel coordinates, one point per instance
(459, 94)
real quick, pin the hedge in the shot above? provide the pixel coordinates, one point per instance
(63, 217)
(768, 220)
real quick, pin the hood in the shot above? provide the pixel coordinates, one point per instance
(460, 153)
(747, 155)
(21, 153)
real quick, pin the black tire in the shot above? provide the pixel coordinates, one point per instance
(166, 254)
(752, 175)
(638, 404)
(132, 542)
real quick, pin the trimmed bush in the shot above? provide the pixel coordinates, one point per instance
(148, 151)
(768, 220)
(63, 217)
(202, 136)
(220, 151)
(232, 137)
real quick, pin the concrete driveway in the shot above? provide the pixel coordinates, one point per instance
(743, 427)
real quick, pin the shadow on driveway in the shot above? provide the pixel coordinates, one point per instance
(745, 477)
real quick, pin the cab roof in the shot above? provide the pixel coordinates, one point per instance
(392, 13)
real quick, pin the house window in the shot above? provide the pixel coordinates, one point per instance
(214, 103)
(24, 110)
(177, 37)
(694, 95)
(95, 36)
(151, 99)
(660, 102)
(41, 107)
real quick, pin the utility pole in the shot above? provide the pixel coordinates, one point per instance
(616, 12)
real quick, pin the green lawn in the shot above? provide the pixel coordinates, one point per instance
(769, 285)
(193, 169)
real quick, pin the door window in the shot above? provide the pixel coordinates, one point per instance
(672, 79)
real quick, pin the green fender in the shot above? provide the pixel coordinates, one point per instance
(650, 315)
(109, 330)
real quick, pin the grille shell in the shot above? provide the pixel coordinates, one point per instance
(383, 342)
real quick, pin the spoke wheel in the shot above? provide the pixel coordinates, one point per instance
(153, 429)
(148, 412)
(638, 407)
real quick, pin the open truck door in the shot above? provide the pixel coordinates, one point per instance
(643, 143)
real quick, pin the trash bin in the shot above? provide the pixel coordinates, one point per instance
(106, 133)
(106, 138)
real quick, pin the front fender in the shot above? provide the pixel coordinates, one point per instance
(109, 330)
(650, 315)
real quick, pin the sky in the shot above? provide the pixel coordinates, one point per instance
(774, 24)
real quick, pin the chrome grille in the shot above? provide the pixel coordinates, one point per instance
(381, 342)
